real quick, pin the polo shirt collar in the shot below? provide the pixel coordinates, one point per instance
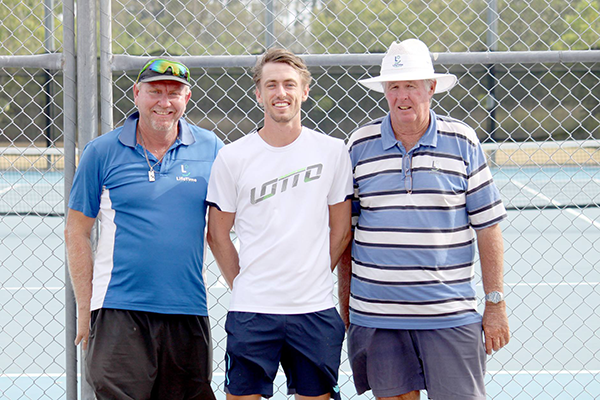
(127, 135)
(388, 139)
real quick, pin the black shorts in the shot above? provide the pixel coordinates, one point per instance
(141, 355)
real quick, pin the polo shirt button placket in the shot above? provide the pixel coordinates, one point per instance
(407, 173)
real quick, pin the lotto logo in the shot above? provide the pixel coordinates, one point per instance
(269, 189)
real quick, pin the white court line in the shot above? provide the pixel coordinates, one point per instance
(349, 373)
(549, 372)
(32, 288)
(12, 187)
(528, 372)
(554, 202)
(221, 285)
(38, 375)
(549, 284)
(572, 284)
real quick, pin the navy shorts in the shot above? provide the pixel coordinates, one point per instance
(308, 346)
(448, 363)
(142, 355)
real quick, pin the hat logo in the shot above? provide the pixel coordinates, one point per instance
(397, 61)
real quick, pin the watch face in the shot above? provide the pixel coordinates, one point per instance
(494, 297)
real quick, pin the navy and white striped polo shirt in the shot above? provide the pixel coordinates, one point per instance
(414, 215)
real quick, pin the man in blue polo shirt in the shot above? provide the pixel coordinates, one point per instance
(424, 197)
(142, 312)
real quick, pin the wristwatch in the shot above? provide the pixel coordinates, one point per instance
(494, 297)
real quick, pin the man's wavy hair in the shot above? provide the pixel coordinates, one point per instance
(277, 55)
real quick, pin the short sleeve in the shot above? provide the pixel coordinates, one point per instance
(87, 183)
(354, 197)
(341, 188)
(484, 205)
(222, 192)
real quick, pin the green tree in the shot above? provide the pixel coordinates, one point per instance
(583, 22)
(22, 27)
(357, 26)
(193, 27)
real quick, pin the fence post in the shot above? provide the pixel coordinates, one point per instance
(106, 90)
(87, 104)
(70, 126)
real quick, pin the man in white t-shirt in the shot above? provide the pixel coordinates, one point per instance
(286, 190)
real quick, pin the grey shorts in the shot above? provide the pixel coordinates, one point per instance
(448, 363)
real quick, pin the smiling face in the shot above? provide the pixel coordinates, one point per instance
(409, 105)
(281, 92)
(160, 104)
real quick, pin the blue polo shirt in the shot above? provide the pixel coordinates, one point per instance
(151, 245)
(415, 214)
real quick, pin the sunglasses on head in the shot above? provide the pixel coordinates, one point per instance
(161, 66)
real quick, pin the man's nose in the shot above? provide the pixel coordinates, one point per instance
(280, 90)
(164, 100)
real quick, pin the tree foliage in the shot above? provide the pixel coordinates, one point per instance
(358, 26)
(22, 30)
(217, 27)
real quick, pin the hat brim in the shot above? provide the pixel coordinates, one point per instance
(165, 78)
(445, 82)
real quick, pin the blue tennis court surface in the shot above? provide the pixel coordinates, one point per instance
(551, 283)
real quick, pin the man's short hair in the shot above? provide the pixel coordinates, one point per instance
(277, 55)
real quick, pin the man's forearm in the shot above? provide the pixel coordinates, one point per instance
(491, 255)
(81, 270)
(80, 256)
(338, 246)
(344, 273)
(340, 231)
(227, 258)
(219, 240)
(495, 320)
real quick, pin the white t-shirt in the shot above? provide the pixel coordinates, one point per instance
(281, 196)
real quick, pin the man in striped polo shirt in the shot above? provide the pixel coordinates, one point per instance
(424, 198)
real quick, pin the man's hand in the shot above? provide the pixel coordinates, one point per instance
(83, 329)
(495, 327)
(79, 251)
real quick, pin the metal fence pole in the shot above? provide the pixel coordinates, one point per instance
(269, 24)
(106, 90)
(492, 43)
(49, 86)
(87, 105)
(70, 126)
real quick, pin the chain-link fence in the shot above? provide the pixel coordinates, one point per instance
(34, 96)
(529, 83)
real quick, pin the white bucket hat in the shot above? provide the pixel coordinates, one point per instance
(409, 61)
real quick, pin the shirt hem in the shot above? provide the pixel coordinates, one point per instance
(203, 312)
(281, 310)
(424, 324)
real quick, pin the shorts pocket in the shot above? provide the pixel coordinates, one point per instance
(238, 320)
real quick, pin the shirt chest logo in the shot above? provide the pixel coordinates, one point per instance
(273, 186)
(185, 174)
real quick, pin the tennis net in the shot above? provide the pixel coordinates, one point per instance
(551, 174)
(31, 181)
(530, 175)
